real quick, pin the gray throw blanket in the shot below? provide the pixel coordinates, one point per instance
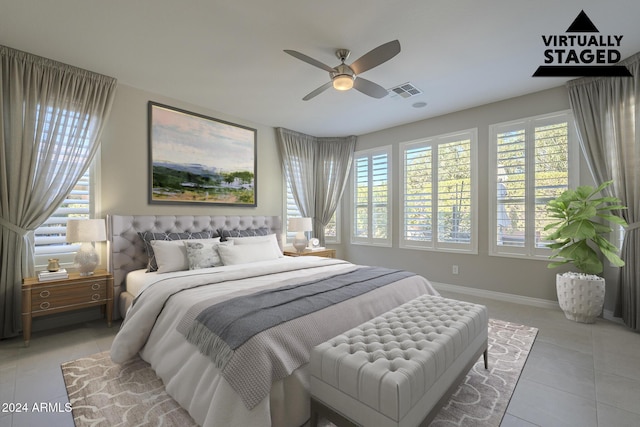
(221, 328)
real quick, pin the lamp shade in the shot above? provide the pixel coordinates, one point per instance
(300, 224)
(86, 230)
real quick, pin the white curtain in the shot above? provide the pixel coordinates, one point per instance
(607, 113)
(334, 157)
(51, 118)
(317, 169)
(297, 154)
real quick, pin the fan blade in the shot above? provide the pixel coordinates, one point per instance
(375, 57)
(309, 60)
(369, 88)
(318, 91)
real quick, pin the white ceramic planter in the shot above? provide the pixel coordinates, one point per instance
(581, 296)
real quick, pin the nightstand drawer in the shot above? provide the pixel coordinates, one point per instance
(57, 301)
(327, 253)
(64, 295)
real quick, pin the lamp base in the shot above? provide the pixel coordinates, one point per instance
(300, 243)
(86, 259)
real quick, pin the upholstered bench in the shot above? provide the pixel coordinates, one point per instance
(400, 367)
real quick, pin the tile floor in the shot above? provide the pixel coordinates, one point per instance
(576, 375)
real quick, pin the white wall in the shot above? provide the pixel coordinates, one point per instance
(125, 161)
(524, 277)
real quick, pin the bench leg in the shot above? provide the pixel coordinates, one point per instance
(485, 355)
(313, 422)
(320, 410)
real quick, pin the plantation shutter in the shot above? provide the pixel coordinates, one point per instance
(532, 166)
(438, 193)
(371, 197)
(551, 170)
(511, 187)
(292, 211)
(454, 192)
(50, 237)
(418, 194)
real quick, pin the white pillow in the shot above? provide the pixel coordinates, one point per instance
(171, 255)
(204, 254)
(247, 253)
(250, 240)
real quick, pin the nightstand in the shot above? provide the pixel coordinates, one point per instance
(327, 253)
(57, 296)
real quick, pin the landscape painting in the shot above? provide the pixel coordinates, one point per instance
(197, 159)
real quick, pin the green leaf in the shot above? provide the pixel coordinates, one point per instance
(576, 250)
(602, 186)
(601, 200)
(558, 245)
(557, 263)
(557, 216)
(556, 236)
(585, 212)
(601, 228)
(586, 191)
(612, 207)
(589, 266)
(581, 229)
(613, 258)
(614, 219)
(550, 226)
(604, 244)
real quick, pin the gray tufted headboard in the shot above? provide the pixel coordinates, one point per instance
(126, 251)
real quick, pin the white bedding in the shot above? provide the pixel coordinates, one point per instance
(138, 280)
(191, 379)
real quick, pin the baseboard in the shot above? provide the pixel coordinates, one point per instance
(608, 314)
(500, 296)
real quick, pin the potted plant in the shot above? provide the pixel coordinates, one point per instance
(579, 239)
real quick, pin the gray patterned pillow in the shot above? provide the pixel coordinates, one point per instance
(204, 254)
(148, 236)
(224, 234)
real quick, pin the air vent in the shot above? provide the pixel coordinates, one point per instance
(405, 90)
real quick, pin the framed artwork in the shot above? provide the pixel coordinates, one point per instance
(195, 159)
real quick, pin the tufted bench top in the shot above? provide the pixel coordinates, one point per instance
(389, 363)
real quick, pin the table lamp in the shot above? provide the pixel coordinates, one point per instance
(300, 225)
(86, 231)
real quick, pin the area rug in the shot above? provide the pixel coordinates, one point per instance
(102, 393)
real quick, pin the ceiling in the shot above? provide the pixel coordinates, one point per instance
(227, 55)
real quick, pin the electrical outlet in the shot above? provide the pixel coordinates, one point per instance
(454, 269)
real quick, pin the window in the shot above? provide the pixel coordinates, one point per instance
(372, 197)
(532, 160)
(50, 237)
(331, 231)
(291, 211)
(617, 236)
(439, 193)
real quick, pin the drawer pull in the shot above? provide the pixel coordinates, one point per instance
(45, 305)
(95, 297)
(95, 286)
(45, 293)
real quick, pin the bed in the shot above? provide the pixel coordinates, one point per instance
(226, 375)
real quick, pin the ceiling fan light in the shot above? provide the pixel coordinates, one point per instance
(343, 82)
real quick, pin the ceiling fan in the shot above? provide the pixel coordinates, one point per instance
(345, 77)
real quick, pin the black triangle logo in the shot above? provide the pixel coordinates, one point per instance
(582, 24)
